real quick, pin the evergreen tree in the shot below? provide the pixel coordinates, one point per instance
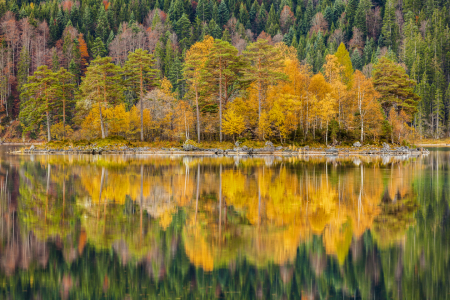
(364, 7)
(103, 85)
(38, 98)
(203, 10)
(390, 27)
(243, 15)
(98, 48)
(23, 68)
(176, 76)
(357, 60)
(102, 29)
(87, 20)
(272, 25)
(55, 60)
(140, 75)
(176, 11)
(395, 87)
(183, 30)
(223, 13)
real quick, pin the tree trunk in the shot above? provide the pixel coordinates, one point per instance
(101, 121)
(220, 104)
(198, 115)
(49, 137)
(142, 105)
(64, 118)
(362, 129)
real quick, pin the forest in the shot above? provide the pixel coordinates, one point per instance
(287, 71)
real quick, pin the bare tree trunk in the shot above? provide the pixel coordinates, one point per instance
(49, 137)
(142, 105)
(101, 121)
(220, 104)
(198, 115)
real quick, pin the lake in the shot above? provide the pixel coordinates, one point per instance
(172, 227)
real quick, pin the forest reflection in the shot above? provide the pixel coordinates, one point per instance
(164, 215)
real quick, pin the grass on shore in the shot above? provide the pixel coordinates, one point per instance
(117, 142)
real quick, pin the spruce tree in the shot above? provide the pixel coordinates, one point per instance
(390, 28)
(356, 60)
(223, 12)
(98, 48)
(102, 29)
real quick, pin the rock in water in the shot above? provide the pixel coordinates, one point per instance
(357, 144)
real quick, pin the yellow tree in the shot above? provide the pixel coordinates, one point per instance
(194, 65)
(366, 98)
(265, 65)
(184, 119)
(344, 59)
(318, 88)
(233, 123)
(327, 111)
(332, 71)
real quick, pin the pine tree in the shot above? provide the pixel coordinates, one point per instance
(87, 20)
(390, 27)
(226, 36)
(102, 84)
(357, 60)
(176, 76)
(110, 38)
(243, 15)
(364, 7)
(183, 30)
(55, 60)
(350, 12)
(65, 87)
(98, 49)
(203, 10)
(264, 64)
(140, 74)
(223, 12)
(38, 97)
(395, 87)
(102, 29)
(272, 25)
(176, 11)
(23, 69)
(221, 70)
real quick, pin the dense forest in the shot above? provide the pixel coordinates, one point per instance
(288, 71)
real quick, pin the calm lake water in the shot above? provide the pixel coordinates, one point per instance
(145, 227)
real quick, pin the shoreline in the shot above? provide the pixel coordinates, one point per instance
(229, 152)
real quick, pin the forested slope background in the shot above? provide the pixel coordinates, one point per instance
(289, 70)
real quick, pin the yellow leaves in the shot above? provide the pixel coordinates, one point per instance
(183, 120)
(59, 131)
(232, 123)
(166, 87)
(117, 120)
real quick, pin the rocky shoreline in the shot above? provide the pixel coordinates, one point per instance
(268, 149)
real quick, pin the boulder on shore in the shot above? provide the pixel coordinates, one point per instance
(357, 144)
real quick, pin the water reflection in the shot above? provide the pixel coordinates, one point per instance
(112, 226)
